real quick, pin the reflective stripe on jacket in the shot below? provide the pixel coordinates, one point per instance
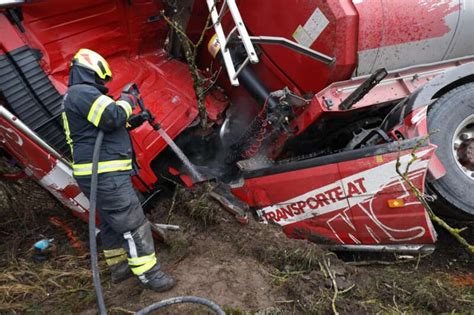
(86, 110)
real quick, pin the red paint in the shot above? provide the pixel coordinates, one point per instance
(37, 162)
(416, 125)
(348, 212)
(375, 222)
(384, 23)
(11, 37)
(133, 49)
(173, 171)
(397, 86)
(13, 176)
(280, 187)
(24, 151)
(187, 180)
(71, 190)
(70, 233)
(282, 67)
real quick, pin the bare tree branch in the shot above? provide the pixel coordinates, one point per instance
(453, 231)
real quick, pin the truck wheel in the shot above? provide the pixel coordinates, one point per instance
(453, 116)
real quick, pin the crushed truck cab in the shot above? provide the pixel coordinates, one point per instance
(307, 123)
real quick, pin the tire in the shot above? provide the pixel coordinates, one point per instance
(455, 190)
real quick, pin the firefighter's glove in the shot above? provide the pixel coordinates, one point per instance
(138, 119)
(130, 99)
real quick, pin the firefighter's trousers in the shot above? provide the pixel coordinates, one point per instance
(125, 231)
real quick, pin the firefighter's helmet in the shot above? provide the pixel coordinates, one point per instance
(91, 60)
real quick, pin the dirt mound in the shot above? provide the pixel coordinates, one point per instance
(242, 267)
(249, 268)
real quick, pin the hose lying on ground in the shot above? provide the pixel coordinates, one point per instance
(93, 248)
(181, 299)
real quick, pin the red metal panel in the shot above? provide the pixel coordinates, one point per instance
(50, 173)
(363, 35)
(346, 202)
(111, 28)
(372, 219)
(269, 190)
(283, 18)
(396, 86)
(11, 38)
(123, 34)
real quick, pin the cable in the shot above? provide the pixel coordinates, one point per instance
(93, 248)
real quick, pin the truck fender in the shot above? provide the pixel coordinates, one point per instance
(440, 85)
(405, 112)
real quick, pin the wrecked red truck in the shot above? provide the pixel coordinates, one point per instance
(308, 106)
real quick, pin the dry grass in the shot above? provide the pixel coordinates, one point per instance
(62, 283)
(439, 283)
(198, 204)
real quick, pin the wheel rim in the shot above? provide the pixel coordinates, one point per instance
(463, 147)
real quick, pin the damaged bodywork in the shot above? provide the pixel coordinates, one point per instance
(305, 121)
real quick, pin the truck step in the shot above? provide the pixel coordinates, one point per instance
(32, 97)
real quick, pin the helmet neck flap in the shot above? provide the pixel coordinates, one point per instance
(82, 75)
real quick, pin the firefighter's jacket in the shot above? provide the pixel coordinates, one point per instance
(87, 109)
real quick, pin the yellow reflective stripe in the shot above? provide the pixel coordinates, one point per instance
(116, 260)
(126, 107)
(67, 132)
(143, 268)
(97, 109)
(114, 252)
(138, 261)
(104, 167)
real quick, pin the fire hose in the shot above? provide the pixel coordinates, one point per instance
(93, 247)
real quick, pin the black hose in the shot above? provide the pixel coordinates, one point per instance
(92, 236)
(252, 83)
(181, 299)
(93, 248)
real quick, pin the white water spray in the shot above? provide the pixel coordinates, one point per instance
(192, 169)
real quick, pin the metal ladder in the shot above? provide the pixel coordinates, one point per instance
(240, 31)
(223, 40)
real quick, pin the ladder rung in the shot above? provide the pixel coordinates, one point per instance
(242, 31)
(223, 42)
(242, 66)
(229, 37)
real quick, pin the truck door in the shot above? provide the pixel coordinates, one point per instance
(299, 195)
(348, 198)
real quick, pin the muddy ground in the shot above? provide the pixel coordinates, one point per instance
(251, 269)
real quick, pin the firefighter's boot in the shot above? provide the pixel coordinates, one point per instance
(158, 281)
(120, 272)
(142, 259)
(117, 261)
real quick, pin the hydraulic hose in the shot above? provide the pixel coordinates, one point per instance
(93, 248)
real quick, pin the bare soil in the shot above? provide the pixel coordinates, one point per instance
(247, 269)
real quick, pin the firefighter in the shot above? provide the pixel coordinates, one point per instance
(125, 231)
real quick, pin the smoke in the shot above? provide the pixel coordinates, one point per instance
(210, 152)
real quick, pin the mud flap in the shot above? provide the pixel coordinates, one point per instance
(348, 198)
